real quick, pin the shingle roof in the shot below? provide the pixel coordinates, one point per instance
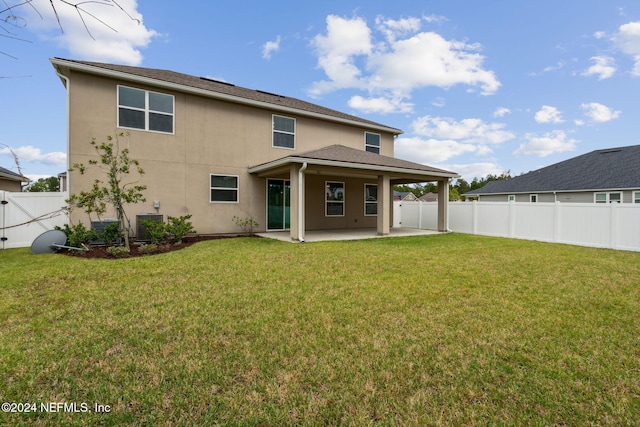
(340, 155)
(611, 168)
(218, 87)
(6, 173)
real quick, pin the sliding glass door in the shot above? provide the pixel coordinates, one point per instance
(278, 204)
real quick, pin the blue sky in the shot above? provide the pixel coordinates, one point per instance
(477, 87)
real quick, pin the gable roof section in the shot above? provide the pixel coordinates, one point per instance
(215, 89)
(346, 157)
(12, 176)
(608, 169)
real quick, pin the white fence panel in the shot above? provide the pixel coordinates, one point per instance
(615, 226)
(24, 216)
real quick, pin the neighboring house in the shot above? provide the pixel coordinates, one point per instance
(429, 197)
(602, 176)
(11, 181)
(404, 196)
(218, 151)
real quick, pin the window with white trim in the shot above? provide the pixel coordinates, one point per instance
(511, 197)
(533, 198)
(608, 197)
(145, 110)
(636, 197)
(284, 132)
(372, 142)
(334, 198)
(224, 188)
(370, 200)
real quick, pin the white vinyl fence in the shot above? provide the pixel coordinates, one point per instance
(24, 216)
(615, 225)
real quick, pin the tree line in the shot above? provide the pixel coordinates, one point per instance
(457, 189)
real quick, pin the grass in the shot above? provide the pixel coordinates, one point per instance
(439, 330)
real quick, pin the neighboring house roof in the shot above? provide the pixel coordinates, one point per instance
(12, 176)
(346, 157)
(402, 195)
(611, 168)
(217, 89)
(429, 197)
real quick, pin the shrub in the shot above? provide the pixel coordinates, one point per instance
(179, 227)
(78, 236)
(148, 249)
(157, 230)
(112, 234)
(118, 251)
(247, 224)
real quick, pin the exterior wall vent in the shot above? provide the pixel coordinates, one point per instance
(141, 230)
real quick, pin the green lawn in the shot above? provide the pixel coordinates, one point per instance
(435, 330)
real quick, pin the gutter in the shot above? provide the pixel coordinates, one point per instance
(300, 196)
(67, 86)
(216, 95)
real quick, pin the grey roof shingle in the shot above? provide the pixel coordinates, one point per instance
(611, 168)
(214, 86)
(6, 173)
(348, 157)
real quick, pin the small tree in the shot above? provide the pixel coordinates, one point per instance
(116, 191)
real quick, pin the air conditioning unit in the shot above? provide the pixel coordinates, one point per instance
(99, 226)
(141, 230)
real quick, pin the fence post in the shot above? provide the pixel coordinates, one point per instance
(512, 218)
(474, 217)
(419, 215)
(556, 221)
(613, 226)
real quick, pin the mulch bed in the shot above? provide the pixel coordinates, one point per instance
(101, 251)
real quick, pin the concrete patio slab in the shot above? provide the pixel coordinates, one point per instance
(357, 234)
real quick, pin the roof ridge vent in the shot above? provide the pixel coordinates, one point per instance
(614, 150)
(216, 81)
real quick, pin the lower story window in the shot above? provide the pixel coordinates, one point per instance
(370, 199)
(636, 197)
(533, 198)
(224, 189)
(608, 197)
(334, 198)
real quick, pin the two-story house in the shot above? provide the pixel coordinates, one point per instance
(215, 150)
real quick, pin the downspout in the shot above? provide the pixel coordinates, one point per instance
(67, 86)
(300, 195)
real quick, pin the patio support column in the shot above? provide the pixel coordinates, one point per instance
(443, 205)
(296, 208)
(384, 204)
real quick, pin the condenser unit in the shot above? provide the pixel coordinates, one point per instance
(141, 231)
(98, 226)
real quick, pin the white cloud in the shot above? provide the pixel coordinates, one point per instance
(29, 153)
(269, 47)
(118, 36)
(546, 144)
(599, 113)
(397, 28)
(401, 61)
(603, 67)
(501, 112)
(473, 131)
(548, 114)
(430, 151)
(627, 39)
(379, 105)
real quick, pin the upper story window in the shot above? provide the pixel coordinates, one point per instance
(284, 132)
(372, 142)
(145, 110)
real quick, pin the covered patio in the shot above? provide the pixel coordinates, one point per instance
(349, 234)
(311, 176)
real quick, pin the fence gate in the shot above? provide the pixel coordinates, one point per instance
(24, 216)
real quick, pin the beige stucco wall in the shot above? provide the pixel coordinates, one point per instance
(10, 185)
(211, 137)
